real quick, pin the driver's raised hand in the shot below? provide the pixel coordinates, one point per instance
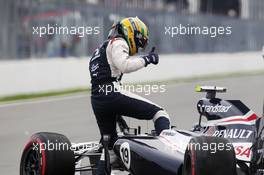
(151, 58)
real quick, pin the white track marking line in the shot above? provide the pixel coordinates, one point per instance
(38, 101)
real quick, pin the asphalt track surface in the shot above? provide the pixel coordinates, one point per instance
(73, 116)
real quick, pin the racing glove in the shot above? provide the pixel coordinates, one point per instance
(151, 58)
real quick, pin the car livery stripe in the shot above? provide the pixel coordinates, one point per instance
(247, 119)
(250, 118)
(193, 162)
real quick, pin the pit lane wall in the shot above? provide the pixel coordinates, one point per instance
(53, 74)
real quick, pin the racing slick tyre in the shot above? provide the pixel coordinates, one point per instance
(209, 156)
(47, 154)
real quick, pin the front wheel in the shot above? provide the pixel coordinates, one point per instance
(47, 154)
(209, 156)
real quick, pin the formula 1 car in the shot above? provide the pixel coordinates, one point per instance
(229, 142)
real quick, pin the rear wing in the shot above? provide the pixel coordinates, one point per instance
(210, 90)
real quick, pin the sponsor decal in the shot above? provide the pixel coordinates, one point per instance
(94, 67)
(214, 109)
(168, 133)
(243, 151)
(260, 151)
(125, 154)
(233, 133)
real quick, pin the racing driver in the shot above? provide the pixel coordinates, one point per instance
(107, 65)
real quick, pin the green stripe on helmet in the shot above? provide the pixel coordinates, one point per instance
(126, 36)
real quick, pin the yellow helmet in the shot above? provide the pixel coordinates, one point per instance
(135, 33)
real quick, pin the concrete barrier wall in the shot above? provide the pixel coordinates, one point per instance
(41, 75)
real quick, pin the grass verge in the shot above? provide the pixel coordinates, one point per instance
(42, 94)
(171, 81)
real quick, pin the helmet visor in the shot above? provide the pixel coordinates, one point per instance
(143, 42)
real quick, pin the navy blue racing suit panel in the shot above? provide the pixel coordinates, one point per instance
(107, 107)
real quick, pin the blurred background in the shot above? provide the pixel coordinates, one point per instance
(57, 64)
(18, 17)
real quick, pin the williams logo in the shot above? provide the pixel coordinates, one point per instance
(216, 108)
